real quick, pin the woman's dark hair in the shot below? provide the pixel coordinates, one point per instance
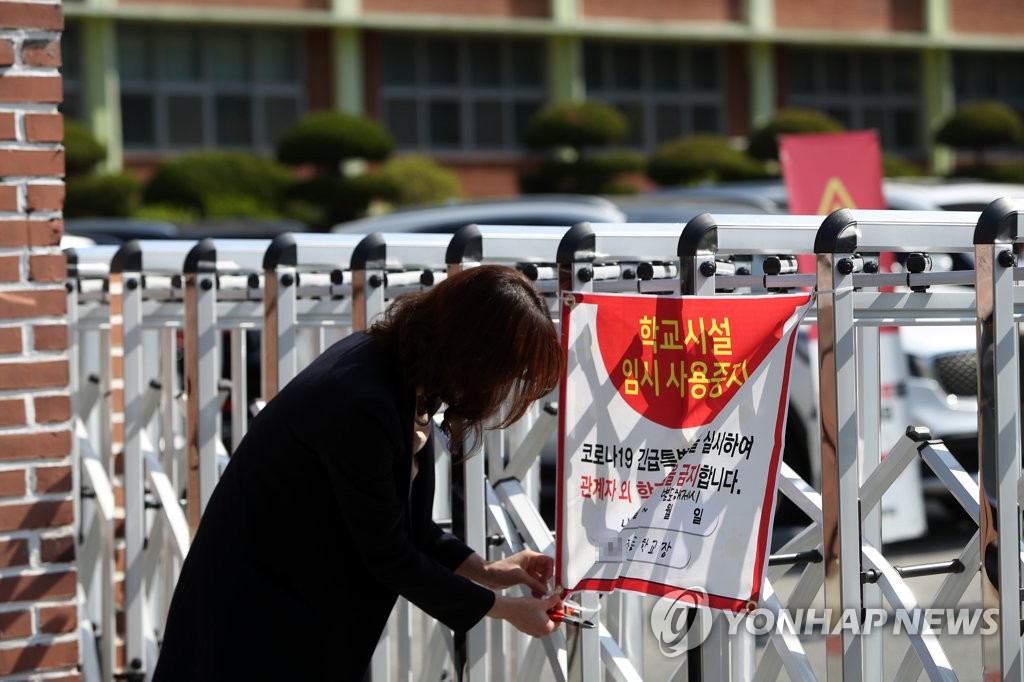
(479, 341)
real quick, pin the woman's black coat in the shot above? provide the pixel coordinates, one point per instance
(313, 530)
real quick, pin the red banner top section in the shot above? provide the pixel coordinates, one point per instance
(679, 361)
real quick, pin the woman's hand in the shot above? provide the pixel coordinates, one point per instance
(526, 614)
(527, 567)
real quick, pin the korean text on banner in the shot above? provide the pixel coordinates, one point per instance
(671, 432)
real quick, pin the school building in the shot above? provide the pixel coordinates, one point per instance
(458, 79)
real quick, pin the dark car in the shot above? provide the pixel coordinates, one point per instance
(120, 230)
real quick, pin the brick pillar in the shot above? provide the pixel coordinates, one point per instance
(38, 612)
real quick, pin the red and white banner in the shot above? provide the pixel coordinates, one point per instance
(824, 172)
(672, 422)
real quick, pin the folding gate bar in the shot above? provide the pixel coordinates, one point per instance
(998, 232)
(312, 282)
(308, 284)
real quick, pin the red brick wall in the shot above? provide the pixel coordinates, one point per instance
(665, 10)
(873, 15)
(986, 16)
(737, 76)
(371, 72)
(482, 178)
(38, 612)
(490, 8)
(319, 70)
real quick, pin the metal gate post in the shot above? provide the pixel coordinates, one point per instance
(698, 244)
(280, 358)
(95, 542)
(474, 534)
(999, 227)
(126, 284)
(869, 388)
(368, 279)
(575, 273)
(201, 373)
(75, 381)
(835, 246)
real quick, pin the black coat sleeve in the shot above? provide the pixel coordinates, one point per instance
(363, 471)
(442, 546)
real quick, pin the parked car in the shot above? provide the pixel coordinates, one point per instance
(553, 209)
(654, 207)
(74, 241)
(120, 230)
(241, 228)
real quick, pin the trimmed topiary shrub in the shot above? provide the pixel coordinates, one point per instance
(327, 138)
(115, 195)
(762, 142)
(576, 125)
(570, 130)
(82, 151)
(418, 180)
(326, 200)
(203, 181)
(166, 213)
(701, 157)
(980, 125)
(591, 175)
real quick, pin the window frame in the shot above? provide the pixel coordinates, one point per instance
(464, 92)
(645, 95)
(160, 89)
(855, 99)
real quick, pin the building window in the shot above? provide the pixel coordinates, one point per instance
(862, 90)
(460, 94)
(71, 71)
(665, 91)
(187, 87)
(989, 76)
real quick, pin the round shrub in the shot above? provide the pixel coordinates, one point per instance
(700, 157)
(980, 124)
(763, 142)
(576, 125)
(325, 200)
(418, 180)
(326, 138)
(198, 180)
(616, 162)
(166, 213)
(591, 175)
(82, 151)
(108, 195)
